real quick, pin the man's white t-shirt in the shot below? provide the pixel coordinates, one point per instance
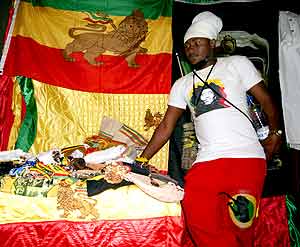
(222, 130)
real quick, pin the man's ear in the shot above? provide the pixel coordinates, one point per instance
(212, 43)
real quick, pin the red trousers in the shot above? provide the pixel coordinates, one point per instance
(216, 192)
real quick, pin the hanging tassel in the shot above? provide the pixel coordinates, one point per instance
(28, 129)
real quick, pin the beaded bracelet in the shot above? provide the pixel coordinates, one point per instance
(277, 132)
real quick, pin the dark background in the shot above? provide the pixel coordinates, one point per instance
(4, 6)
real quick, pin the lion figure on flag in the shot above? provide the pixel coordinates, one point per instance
(124, 40)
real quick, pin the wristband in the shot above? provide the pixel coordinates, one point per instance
(142, 160)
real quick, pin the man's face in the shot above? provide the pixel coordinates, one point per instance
(207, 96)
(197, 49)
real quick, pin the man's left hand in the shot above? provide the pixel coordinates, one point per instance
(272, 145)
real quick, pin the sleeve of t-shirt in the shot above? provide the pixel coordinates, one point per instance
(176, 96)
(248, 73)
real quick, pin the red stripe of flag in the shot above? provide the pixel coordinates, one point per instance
(28, 58)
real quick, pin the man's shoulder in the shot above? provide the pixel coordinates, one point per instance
(186, 77)
(233, 59)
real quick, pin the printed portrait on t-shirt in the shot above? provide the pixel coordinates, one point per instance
(209, 97)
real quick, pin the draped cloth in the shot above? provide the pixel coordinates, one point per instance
(289, 59)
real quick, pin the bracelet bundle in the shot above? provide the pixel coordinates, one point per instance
(142, 161)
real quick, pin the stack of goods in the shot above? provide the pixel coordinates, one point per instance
(189, 146)
(104, 161)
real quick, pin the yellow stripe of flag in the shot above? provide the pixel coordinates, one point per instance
(49, 27)
(15, 208)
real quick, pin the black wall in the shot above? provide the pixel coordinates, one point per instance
(4, 7)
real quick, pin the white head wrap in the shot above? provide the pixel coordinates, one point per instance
(204, 25)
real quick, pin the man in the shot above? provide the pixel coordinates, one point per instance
(224, 185)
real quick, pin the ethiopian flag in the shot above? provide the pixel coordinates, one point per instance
(98, 46)
(78, 61)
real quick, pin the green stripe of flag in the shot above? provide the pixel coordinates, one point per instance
(152, 9)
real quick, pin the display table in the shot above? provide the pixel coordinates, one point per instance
(122, 217)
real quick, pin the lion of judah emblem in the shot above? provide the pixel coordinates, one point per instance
(69, 202)
(124, 40)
